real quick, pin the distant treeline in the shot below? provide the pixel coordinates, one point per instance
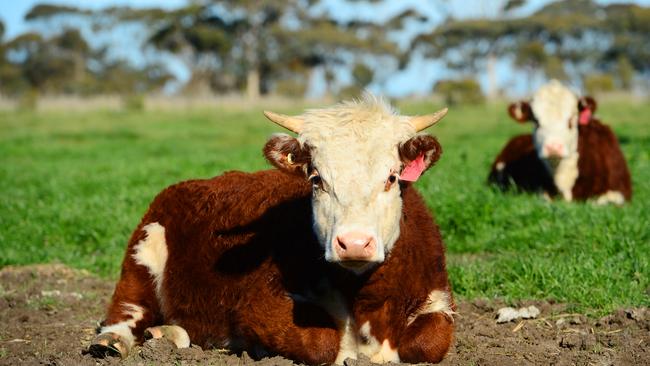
(276, 46)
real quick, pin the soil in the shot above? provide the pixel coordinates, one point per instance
(49, 314)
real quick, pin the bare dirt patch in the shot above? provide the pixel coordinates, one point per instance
(49, 313)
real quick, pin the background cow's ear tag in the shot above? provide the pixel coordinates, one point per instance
(413, 170)
(585, 116)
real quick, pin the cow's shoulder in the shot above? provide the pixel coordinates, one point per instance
(596, 132)
(597, 145)
(517, 148)
(601, 163)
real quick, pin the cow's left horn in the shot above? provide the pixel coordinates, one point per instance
(422, 122)
(293, 124)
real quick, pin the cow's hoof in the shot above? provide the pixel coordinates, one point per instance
(108, 345)
(174, 333)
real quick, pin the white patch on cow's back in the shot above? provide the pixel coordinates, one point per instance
(134, 313)
(152, 253)
(614, 197)
(500, 166)
(437, 301)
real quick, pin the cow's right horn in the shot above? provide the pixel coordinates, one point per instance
(293, 124)
(422, 122)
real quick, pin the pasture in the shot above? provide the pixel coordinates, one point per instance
(74, 185)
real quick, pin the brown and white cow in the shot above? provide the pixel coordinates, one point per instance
(570, 153)
(332, 255)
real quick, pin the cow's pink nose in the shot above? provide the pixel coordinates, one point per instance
(554, 149)
(355, 246)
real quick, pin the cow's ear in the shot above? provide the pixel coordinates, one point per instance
(587, 102)
(286, 153)
(586, 108)
(520, 111)
(418, 154)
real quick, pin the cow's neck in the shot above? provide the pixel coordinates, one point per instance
(564, 172)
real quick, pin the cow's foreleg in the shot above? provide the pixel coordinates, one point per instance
(300, 331)
(135, 305)
(430, 331)
(427, 339)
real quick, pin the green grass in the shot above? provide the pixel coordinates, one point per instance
(73, 186)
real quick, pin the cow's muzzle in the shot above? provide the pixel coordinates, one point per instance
(356, 247)
(554, 150)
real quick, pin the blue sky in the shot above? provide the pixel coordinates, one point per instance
(416, 79)
(12, 12)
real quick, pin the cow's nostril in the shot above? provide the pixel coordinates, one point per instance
(355, 246)
(554, 149)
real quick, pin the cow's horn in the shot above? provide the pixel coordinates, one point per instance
(422, 122)
(293, 124)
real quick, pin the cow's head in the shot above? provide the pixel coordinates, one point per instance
(357, 156)
(557, 113)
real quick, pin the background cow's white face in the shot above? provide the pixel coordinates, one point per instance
(356, 152)
(555, 108)
(556, 112)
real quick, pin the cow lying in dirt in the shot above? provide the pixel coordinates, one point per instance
(332, 255)
(570, 153)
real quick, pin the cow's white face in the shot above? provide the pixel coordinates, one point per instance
(353, 154)
(355, 168)
(555, 109)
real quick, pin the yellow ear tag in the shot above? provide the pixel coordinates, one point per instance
(290, 158)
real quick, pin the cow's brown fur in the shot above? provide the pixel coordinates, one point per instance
(241, 247)
(601, 165)
(398, 288)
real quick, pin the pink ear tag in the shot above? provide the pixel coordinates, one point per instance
(585, 116)
(413, 170)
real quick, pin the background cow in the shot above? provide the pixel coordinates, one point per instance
(330, 256)
(570, 153)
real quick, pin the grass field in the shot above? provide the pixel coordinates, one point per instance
(73, 186)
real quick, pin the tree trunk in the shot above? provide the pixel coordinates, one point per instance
(253, 84)
(492, 77)
(253, 74)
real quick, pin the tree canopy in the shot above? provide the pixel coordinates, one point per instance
(582, 35)
(258, 47)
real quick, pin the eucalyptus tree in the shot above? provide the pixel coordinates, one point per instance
(58, 59)
(585, 36)
(249, 45)
(257, 44)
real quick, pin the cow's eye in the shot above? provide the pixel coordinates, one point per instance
(392, 178)
(316, 180)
